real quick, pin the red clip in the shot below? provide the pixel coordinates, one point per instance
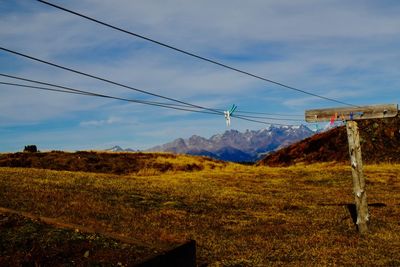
(333, 118)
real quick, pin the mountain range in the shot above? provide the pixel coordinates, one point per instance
(237, 146)
(119, 149)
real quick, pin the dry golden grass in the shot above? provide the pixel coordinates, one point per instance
(109, 162)
(239, 215)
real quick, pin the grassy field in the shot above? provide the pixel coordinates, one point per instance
(239, 215)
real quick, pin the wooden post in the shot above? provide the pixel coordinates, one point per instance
(359, 189)
(351, 115)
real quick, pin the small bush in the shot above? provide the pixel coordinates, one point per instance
(30, 148)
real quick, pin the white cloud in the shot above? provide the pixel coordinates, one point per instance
(109, 121)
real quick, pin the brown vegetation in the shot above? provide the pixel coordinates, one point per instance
(239, 215)
(380, 142)
(102, 162)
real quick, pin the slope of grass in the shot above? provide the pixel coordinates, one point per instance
(239, 215)
(109, 162)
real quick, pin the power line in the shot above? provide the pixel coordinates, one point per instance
(43, 88)
(69, 89)
(106, 80)
(268, 118)
(88, 93)
(135, 101)
(161, 104)
(104, 96)
(122, 85)
(195, 55)
(271, 114)
(239, 111)
(263, 122)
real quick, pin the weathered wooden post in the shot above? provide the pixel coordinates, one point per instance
(351, 115)
(360, 194)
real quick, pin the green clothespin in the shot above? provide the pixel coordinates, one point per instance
(233, 108)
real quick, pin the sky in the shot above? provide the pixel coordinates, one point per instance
(346, 50)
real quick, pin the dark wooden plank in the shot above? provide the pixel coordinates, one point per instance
(182, 256)
(352, 113)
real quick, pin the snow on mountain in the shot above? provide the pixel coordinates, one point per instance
(119, 149)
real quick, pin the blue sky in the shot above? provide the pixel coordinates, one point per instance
(348, 50)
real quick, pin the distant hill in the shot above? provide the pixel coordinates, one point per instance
(109, 162)
(237, 146)
(380, 142)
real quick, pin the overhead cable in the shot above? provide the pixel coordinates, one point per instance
(78, 92)
(63, 89)
(90, 93)
(105, 80)
(134, 100)
(268, 113)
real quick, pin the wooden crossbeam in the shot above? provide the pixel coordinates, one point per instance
(352, 113)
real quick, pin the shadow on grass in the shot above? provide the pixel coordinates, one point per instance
(352, 208)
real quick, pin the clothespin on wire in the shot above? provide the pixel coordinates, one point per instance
(233, 108)
(333, 118)
(343, 119)
(228, 114)
(316, 123)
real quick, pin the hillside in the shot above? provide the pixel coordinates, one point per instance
(380, 142)
(239, 216)
(102, 162)
(237, 146)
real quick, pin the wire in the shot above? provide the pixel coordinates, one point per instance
(164, 103)
(128, 87)
(88, 93)
(133, 100)
(266, 113)
(94, 94)
(106, 80)
(263, 122)
(43, 88)
(104, 96)
(268, 118)
(195, 55)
